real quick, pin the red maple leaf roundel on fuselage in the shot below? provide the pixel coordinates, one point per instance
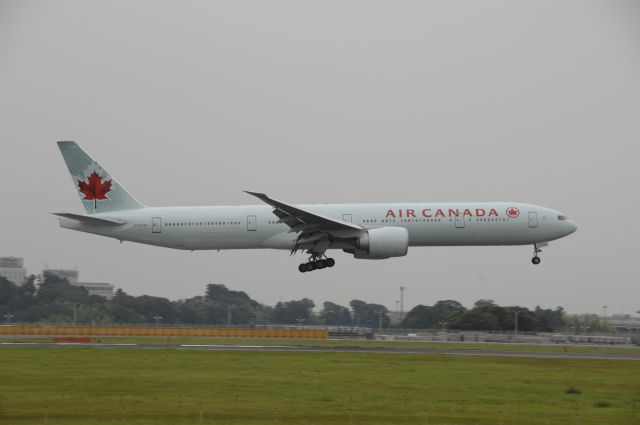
(94, 189)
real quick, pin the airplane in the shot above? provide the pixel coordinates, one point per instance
(367, 231)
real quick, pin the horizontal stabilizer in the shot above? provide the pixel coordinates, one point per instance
(93, 220)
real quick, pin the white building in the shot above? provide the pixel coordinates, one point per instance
(12, 269)
(101, 289)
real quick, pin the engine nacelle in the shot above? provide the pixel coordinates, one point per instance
(382, 243)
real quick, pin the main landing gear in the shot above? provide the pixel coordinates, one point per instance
(536, 249)
(316, 264)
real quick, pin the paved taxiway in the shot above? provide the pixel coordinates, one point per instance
(316, 349)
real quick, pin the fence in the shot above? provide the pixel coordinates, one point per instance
(44, 330)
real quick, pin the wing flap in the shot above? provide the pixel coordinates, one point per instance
(294, 216)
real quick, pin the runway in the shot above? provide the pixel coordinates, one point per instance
(316, 349)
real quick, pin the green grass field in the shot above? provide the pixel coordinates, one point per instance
(76, 385)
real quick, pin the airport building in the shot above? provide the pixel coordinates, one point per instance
(101, 289)
(625, 323)
(94, 288)
(11, 268)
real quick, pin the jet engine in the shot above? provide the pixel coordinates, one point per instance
(382, 243)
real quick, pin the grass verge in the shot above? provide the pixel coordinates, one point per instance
(77, 385)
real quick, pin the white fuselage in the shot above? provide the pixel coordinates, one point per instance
(255, 226)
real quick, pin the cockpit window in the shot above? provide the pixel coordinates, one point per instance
(562, 217)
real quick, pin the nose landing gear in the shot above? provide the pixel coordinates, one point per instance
(536, 249)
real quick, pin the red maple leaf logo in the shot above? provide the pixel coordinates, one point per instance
(94, 189)
(513, 212)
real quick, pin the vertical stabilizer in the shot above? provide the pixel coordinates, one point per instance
(98, 190)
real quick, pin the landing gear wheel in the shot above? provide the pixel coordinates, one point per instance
(536, 250)
(316, 262)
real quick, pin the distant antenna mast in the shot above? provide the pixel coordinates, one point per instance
(402, 289)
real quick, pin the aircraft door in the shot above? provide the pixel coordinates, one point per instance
(533, 219)
(156, 225)
(252, 223)
(347, 217)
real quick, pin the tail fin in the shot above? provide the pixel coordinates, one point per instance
(98, 191)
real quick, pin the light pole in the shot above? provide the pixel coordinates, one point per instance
(379, 320)
(157, 318)
(604, 307)
(402, 289)
(8, 317)
(229, 310)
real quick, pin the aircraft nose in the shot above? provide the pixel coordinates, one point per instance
(571, 227)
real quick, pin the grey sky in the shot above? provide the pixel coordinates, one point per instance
(189, 103)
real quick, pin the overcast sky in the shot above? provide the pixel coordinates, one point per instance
(190, 103)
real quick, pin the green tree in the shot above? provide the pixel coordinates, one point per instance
(222, 303)
(122, 314)
(56, 312)
(550, 320)
(193, 310)
(126, 308)
(367, 314)
(421, 316)
(475, 320)
(527, 321)
(150, 307)
(28, 290)
(224, 295)
(56, 289)
(292, 312)
(334, 314)
(7, 291)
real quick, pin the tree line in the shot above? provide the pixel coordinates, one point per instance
(486, 315)
(51, 299)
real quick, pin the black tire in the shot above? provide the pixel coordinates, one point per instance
(331, 262)
(309, 267)
(535, 260)
(302, 268)
(321, 264)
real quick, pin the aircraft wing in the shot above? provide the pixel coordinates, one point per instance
(301, 220)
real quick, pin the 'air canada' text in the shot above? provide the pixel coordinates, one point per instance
(451, 212)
